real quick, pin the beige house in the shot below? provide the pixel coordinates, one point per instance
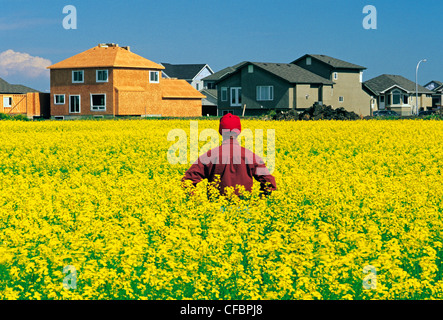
(396, 93)
(347, 90)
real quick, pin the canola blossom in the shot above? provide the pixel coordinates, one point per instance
(94, 210)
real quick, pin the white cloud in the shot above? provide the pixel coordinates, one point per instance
(12, 62)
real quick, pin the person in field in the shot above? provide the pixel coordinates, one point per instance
(231, 163)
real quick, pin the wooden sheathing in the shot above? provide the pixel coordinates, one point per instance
(32, 104)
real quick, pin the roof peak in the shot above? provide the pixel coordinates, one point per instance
(106, 55)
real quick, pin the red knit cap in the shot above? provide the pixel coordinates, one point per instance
(229, 122)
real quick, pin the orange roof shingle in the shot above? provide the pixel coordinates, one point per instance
(106, 57)
(175, 88)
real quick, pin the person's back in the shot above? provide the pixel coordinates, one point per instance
(233, 164)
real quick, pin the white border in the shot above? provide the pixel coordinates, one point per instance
(97, 94)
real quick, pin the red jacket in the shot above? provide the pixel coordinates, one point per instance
(235, 165)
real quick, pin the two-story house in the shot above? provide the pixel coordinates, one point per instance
(251, 88)
(347, 90)
(109, 80)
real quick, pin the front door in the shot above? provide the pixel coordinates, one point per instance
(235, 97)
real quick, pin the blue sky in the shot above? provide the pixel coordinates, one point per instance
(224, 33)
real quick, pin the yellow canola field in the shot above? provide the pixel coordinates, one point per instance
(93, 210)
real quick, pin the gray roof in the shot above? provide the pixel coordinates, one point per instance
(286, 71)
(182, 71)
(333, 62)
(223, 72)
(8, 88)
(385, 81)
(292, 73)
(209, 92)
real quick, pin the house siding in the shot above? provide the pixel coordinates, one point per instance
(61, 83)
(283, 92)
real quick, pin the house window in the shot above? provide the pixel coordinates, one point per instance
(77, 76)
(265, 93)
(308, 61)
(153, 76)
(211, 85)
(335, 75)
(396, 97)
(236, 97)
(7, 102)
(250, 68)
(382, 99)
(74, 104)
(405, 99)
(197, 86)
(59, 99)
(98, 102)
(341, 99)
(102, 76)
(224, 94)
(225, 112)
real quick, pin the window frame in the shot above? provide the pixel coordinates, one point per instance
(335, 75)
(157, 77)
(92, 106)
(308, 61)
(10, 102)
(59, 95)
(237, 96)
(79, 103)
(259, 93)
(341, 99)
(396, 93)
(224, 90)
(82, 73)
(96, 75)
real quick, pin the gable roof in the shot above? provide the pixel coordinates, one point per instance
(438, 85)
(8, 88)
(178, 88)
(383, 82)
(333, 62)
(183, 71)
(216, 76)
(288, 72)
(106, 56)
(292, 73)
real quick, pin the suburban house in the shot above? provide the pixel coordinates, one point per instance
(109, 80)
(18, 99)
(437, 96)
(256, 87)
(192, 73)
(251, 88)
(397, 93)
(347, 91)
